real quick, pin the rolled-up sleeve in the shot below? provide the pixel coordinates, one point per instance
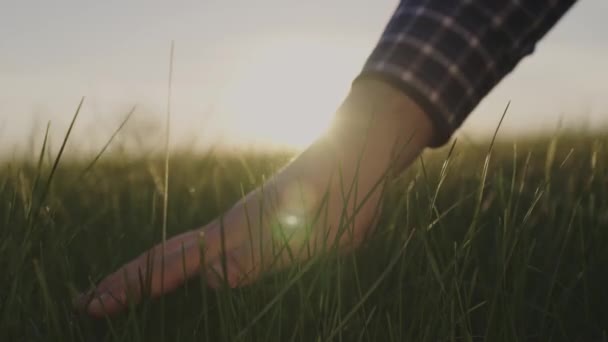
(448, 54)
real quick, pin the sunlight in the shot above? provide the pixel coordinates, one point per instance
(287, 92)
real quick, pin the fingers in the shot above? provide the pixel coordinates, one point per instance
(155, 273)
(151, 274)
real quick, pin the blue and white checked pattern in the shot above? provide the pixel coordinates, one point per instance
(448, 54)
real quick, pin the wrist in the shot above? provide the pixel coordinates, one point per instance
(384, 120)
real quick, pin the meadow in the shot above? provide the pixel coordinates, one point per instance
(475, 242)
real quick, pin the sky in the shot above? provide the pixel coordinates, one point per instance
(255, 72)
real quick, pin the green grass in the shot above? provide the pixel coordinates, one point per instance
(470, 246)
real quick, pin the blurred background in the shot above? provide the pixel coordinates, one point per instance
(263, 73)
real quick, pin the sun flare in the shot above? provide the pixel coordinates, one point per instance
(287, 92)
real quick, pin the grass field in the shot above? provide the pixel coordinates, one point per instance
(471, 246)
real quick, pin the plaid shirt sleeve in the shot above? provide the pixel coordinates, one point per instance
(448, 54)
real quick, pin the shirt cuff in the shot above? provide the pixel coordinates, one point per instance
(448, 55)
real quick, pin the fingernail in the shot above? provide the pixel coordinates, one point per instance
(97, 305)
(81, 301)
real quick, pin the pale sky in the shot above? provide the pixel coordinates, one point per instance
(255, 71)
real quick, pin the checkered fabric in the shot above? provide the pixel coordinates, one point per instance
(448, 54)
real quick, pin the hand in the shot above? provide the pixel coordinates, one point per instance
(360, 147)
